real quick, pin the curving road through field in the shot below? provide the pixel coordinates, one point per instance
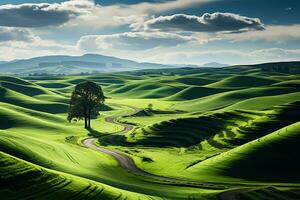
(127, 162)
(124, 160)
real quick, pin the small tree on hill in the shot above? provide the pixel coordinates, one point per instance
(85, 100)
(150, 106)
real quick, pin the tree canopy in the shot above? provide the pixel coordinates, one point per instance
(85, 101)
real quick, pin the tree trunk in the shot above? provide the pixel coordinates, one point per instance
(85, 122)
(85, 118)
(89, 117)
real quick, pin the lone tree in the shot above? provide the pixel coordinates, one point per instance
(150, 106)
(85, 102)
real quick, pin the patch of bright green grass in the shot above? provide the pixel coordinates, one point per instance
(169, 142)
(225, 99)
(178, 145)
(242, 81)
(49, 141)
(21, 179)
(272, 158)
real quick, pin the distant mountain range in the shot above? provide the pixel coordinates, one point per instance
(209, 65)
(214, 64)
(88, 63)
(62, 64)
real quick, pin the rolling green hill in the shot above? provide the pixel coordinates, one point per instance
(242, 82)
(221, 130)
(268, 159)
(23, 180)
(184, 133)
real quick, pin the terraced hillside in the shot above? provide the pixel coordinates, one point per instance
(23, 180)
(187, 133)
(260, 159)
(228, 128)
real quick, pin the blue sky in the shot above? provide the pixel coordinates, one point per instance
(162, 31)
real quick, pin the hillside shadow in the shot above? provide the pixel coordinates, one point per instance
(94, 133)
(217, 129)
(118, 140)
(108, 139)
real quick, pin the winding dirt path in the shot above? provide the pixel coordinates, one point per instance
(124, 160)
(128, 163)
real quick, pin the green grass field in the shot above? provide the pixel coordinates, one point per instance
(227, 133)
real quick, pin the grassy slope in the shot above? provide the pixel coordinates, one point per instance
(226, 99)
(242, 82)
(189, 141)
(264, 159)
(23, 180)
(16, 98)
(57, 149)
(32, 132)
(47, 140)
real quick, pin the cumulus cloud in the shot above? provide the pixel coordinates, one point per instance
(215, 22)
(16, 34)
(82, 12)
(229, 56)
(42, 14)
(24, 49)
(273, 33)
(132, 41)
(121, 14)
(277, 54)
(162, 6)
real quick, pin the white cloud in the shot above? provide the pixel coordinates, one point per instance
(132, 41)
(119, 14)
(215, 22)
(153, 8)
(271, 33)
(229, 56)
(277, 54)
(24, 49)
(82, 13)
(43, 14)
(16, 34)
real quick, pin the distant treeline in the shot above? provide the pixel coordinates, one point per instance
(281, 67)
(62, 74)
